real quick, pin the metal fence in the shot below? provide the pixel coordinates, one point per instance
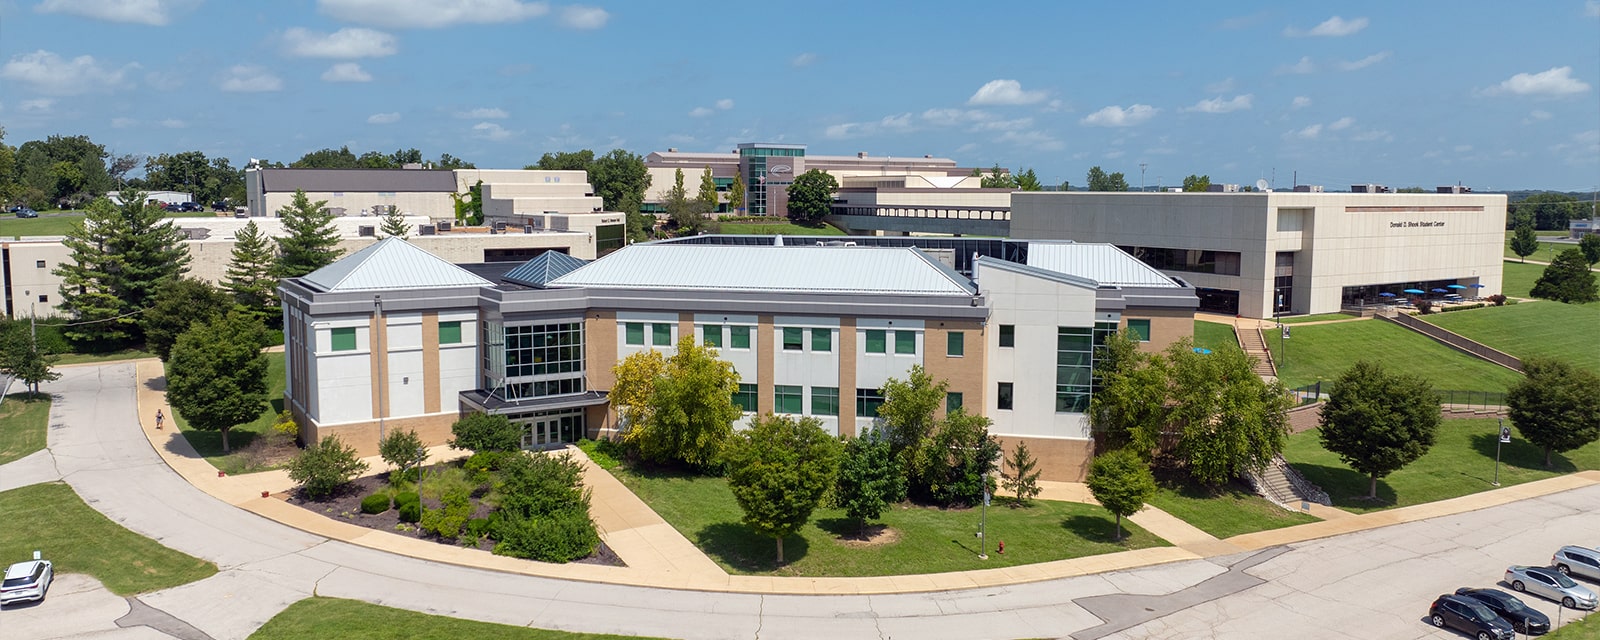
(1317, 392)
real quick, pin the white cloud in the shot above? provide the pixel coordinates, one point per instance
(1308, 133)
(1304, 66)
(803, 60)
(1332, 27)
(1537, 114)
(164, 80)
(431, 14)
(1005, 92)
(384, 118)
(1557, 81)
(1300, 102)
(582, 17)
(701, 112)
(50, 74)
(1221, 86)
(1013, 125)
(245, 78)
(155, 13)
(350, 42)
(173, 123)
(1341, 124)
(346, 72)
(888, 124)
(725, 104)
(1591, 9)
(1218, 105)
(952, 117)
(1462, 148)
(1114, 154)
(123, 123)
(37, 106)
(1372, 136)
(1365, 62)
(1054, 106)
(491, 131)
(1040, 140)
(483, 113)
(1115, 116)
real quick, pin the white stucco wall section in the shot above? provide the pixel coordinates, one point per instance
(647, 318)
(744, 360)
(1035, 306)
(458, 363)
(874, 369)
(343, 378)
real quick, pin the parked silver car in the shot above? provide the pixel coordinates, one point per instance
(1552, 584)
(1577, 561)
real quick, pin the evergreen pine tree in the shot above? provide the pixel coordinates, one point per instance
(394, 224)
(121, 256)
(250, 271)
(311, 242)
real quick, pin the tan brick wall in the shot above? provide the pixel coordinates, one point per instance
(600, 348)
(433, 429)
(430, 362)
(1059, 459)
(766, 364)
(847, 377)
(966, 373)
(1166, 325)
(686, 327)
(377, 336)
(599, 422)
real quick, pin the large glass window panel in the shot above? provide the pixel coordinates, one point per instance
(739, 337)
(905, 342)
(793, 339)
(877, 341)
(633, 334)
(824, 401)
(787, 399)
(745, 398)
(343, 339)
(661, 334)
(711, 334)
(822, 340)
(955, 344)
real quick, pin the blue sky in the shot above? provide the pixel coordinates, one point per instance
(1495, 95)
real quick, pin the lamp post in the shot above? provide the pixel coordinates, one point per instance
(983, 523)
(1505, 436)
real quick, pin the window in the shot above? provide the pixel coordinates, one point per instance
(711, 334)
(661, 334)
(450, 332)
(867, 403)
(793, 339)
(952, 401)
(44, 297)
(1003, 396)
(877, 341)
(544, 349)
(344, 339)
(739, 337)
(822, 340)
(955, 344)
(745, 398)
(905, 342)
(38, 263)
(634, 334)
(1008, 335)
(1074, 367)
(1140, 328)
(824, 401)
(786, 399)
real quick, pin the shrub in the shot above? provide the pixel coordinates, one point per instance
(400, 448)
(483, 432)
(477, 528)
(1499, 299)
(446, 522)
(562, 536)
(286, 425)
(407, 497)
(411, 511)
(487, 460)
(1424, 307)
(375, 504)
(606, 454)
(325, 466)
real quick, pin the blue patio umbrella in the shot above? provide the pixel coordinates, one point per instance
(1202, 350)
(1416, 291)
(1386, 294)
(1476, 285)
(1438, 290)
(1456, 286)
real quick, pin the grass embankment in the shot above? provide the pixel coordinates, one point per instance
(1213, 335)
(319, 617)
(776, 229)
(209, 443)
(52, 519)
(919, 539)
(1587, 628)
(1461, 462)
(1519, 279)
(1544, 328)
(1547, 250)
(1322, 352)
(1320, 317)
(1227, 512)
(24, 418)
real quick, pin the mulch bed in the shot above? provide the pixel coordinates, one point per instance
(344, 505)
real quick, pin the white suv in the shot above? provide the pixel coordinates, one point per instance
(1576, 561)
(27, 581)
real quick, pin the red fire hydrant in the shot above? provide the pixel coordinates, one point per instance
(1002, 547)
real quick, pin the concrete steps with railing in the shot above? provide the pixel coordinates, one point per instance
(1285, 487)
(1253, 343)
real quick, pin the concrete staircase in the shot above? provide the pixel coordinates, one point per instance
(1253, 343)
(1285, 487)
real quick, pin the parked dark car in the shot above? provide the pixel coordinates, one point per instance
(190, 206)
(24, 212)
(219, 206)
(1467, 614)
(1523, 618)
(171, 206)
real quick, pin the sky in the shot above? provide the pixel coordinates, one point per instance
(1491, 94)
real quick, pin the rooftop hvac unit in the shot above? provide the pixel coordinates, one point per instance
(1308, 188)
(527, 228)
(427, 230)
(500, 226)
(1223, 188)
(444, 227)
(366, 231)
(1455, 188)
(1368, 188)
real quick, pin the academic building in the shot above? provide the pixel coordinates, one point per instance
(393, 337)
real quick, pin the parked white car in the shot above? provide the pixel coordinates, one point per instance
(1576, 561)
(27, 581)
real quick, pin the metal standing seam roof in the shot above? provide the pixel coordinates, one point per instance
(391, 264)
(799, 269)
(358, 180)
(543, 268)
(1102, 263)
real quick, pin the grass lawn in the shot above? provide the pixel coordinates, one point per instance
(1543, 328)
(1231, 511)
(209, 443)
(924, 540)
(54, 520)
(319, 617)
(1323, 351)
(1461, 462)
(47, 224)
(1320, 317)
(1213, 335)
(23, 419)
(1547, 250)
(112, 356)
(1519, 278)
(1586, 629)
(776, 228)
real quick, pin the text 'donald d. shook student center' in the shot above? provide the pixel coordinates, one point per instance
(393, 337)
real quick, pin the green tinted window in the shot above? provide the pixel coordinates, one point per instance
(952, 401)
(1140, 328)
(712, 334)
(661, 334)
(905, 342)
(745, 398)
(633, 333)
(824, 401)
(955, 344)
(867, 403)
(822, 340)
(786, 399)
(1008, 335)
(739, 337)
(450, 333)
(793, 339)
(877, 341)
(344, 339)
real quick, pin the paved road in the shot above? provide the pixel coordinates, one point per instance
(1365, 584)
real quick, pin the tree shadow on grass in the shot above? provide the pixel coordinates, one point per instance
(1347, 488)
(1096, 528)
(846, 528)
(739, 547)
(1520, 453)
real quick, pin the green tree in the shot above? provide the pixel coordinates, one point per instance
(402, 449)
(736, 193)
(217, 374)
(311, 241)
(1231, 422)
(447, 161)
(954, 467)
(1023, 480)
(779, 470)
(1121, 482)
(678, 408)
(21, 358)
(870, 478)
(566, 161)
(998, 179)
(544, 510)
(706, 200)
(908, 410)
(62, 171)
(1029, 181)
(328, 159)
(394, 223)
(1377, 421)
(1130, 407)
(1590, 246)
(621, 179)
(1196, 183)
(178, 305)
(376, 160)
(250, 272)
(680, 210)
(1555, 406)
(1548, 211)
(324, 466)
(811, 197)
(1567, 279)
(1099, 181)
(469, 207)
(1524, 242)
(121, 256)
(480, 432)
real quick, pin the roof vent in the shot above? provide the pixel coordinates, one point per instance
(444, 226)
(1308, 188)
(427, 230)
(366, 231)
(672, 149)
(1455, 188)
(861, 154)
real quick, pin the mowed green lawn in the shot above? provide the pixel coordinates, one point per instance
(923, 539)
(1226, 512)
(1570, 332)
(1461, 462)
(52, 519)
(776, 228)
(1321, 317)
(1547, 250)
(57, 223)
(209, 443)
(1214, 335)
(1519, 279)
(24, 419)
(319, 617)
(1323, 351)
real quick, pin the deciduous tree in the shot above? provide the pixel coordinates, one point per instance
(21, 357)
(178, 306)
(678, 408)
(681, 210)
(217, 374)
(736, 193)
(310, 241)
(1378, 421)
(1567, 279)
(1590, 246)
(954, 467)
(402, 449)
(1099, 181)
(566, 161)
(870, 477)
(1231, 422)
(621, 179)
(779, 470)
(324, 466)
(479, 432)
(1555, 405)
(1121, 482)
(1524, 242)
(811, 197)
(705, 201)
(1196, 183)
(1130, 407)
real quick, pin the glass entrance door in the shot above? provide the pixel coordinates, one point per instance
(548, 428)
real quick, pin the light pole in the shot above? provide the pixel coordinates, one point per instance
(1505, 436)
(983, 523)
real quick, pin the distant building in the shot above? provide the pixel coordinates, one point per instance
(1578, 228)
(164, 197)
(508, 194)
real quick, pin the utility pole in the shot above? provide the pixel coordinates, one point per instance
(1142, 166)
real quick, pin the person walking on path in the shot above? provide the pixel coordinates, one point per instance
(158, 418)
